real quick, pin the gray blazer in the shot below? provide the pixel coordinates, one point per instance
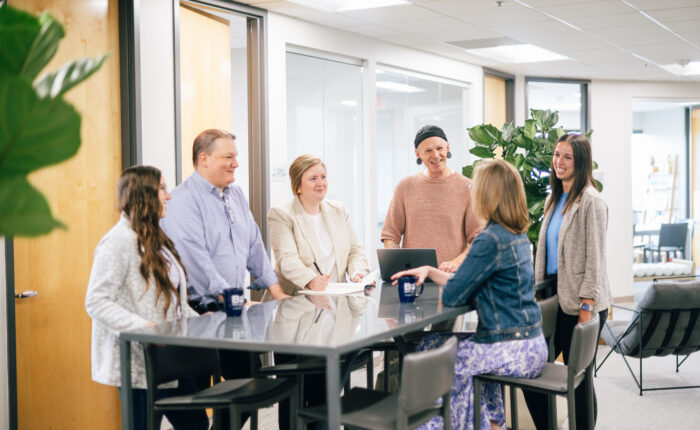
(295, 244)
(118, 299)
(581, 265)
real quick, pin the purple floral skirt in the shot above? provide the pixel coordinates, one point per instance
(517, 358)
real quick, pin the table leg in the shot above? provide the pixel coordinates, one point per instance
(333, 391)
(126, 394)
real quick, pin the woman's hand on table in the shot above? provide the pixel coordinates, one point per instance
(448, 266)
(358, 277)
(319, 283)
(421, 273)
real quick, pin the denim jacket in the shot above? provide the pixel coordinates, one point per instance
(497, 278)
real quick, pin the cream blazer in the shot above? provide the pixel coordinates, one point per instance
(295, 244)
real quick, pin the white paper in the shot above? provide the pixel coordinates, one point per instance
(343, 288)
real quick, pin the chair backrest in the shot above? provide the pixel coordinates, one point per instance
(427, 376)
(168, 363)
(549, 308)
(667, 321)
(583, 345)
(673, 235)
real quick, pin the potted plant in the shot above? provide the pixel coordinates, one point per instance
(38, 127)
(529, 148)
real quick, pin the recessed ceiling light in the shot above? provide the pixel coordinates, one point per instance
(690, 68)
(522, 53)
(344, 5)
(398, 87)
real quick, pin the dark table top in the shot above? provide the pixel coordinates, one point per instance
(311, 325)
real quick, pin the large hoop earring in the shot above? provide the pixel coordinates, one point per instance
(419, 161)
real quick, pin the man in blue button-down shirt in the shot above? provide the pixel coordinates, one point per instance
(212, 227)
(216, 236)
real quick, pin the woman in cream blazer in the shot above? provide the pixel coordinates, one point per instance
(300, 245)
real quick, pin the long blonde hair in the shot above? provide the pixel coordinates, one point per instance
(499, 196)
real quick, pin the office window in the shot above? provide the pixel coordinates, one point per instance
(407, 101)
(324, 118)
(569, 98)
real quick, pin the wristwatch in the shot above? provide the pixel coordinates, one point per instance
(586, 307)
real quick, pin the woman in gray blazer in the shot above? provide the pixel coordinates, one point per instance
(137, 280)
(314, 243)
(571, 256)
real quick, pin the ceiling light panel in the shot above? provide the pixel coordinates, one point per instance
(346, 5)
(516, 54)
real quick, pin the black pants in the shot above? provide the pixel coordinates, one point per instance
(537, 403)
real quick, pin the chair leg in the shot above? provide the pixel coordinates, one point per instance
(254, 419)
(293, 409)
(447, 411)
(370, 371)
(234, 418)
(552, 401)
(590, 402)
(386, 371)
(476, 385)
(571, 403)
(217, 420)
(513, 408)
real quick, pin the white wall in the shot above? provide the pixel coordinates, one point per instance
(4, 392)
(157, 93)
(284, 31)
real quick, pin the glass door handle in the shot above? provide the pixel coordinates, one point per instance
(25, 294)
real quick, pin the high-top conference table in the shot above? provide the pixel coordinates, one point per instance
(320, 326)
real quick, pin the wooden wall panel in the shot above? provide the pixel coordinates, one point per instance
(205, 77)
(55, 389)
(494, 101)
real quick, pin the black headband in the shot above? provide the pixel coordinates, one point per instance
(428, 131)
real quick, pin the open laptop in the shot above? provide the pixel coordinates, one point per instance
(393, 260)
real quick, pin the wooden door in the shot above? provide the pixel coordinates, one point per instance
(205, 77)
(54, 386)
(494, 101)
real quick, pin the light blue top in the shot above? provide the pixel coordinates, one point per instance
(553, 234)
(216, 244)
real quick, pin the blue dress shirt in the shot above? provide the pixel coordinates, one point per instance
(553, 235)
(216, 243)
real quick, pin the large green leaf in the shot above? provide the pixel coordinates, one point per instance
(530, 129)
(481, 152)
(18, 30)
(507, 131)
(468, 171)
(34, 132)
(43, 47)
(484, 135)
(56, 83)
(24, 210)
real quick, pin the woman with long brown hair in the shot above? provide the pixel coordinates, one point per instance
(137, 280)
(571, 257)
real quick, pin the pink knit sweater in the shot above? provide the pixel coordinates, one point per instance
(432, 213)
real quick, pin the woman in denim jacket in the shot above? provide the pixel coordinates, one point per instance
(497, 278)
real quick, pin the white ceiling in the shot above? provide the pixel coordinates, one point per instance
(603, 39)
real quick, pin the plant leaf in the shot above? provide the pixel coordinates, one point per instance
(43, 47)
(481, 152)
(530, 129)
(468, 171)
(484, 135)
(34, 132)
(23, 209)
(18, 30)
(57, 83)
(507, 131)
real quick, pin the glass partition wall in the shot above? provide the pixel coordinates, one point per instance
(324, 118)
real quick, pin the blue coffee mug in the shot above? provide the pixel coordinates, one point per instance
(408, 289)
(233, 301)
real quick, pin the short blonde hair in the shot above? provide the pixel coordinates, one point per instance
(299, 166)
(499, 195)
